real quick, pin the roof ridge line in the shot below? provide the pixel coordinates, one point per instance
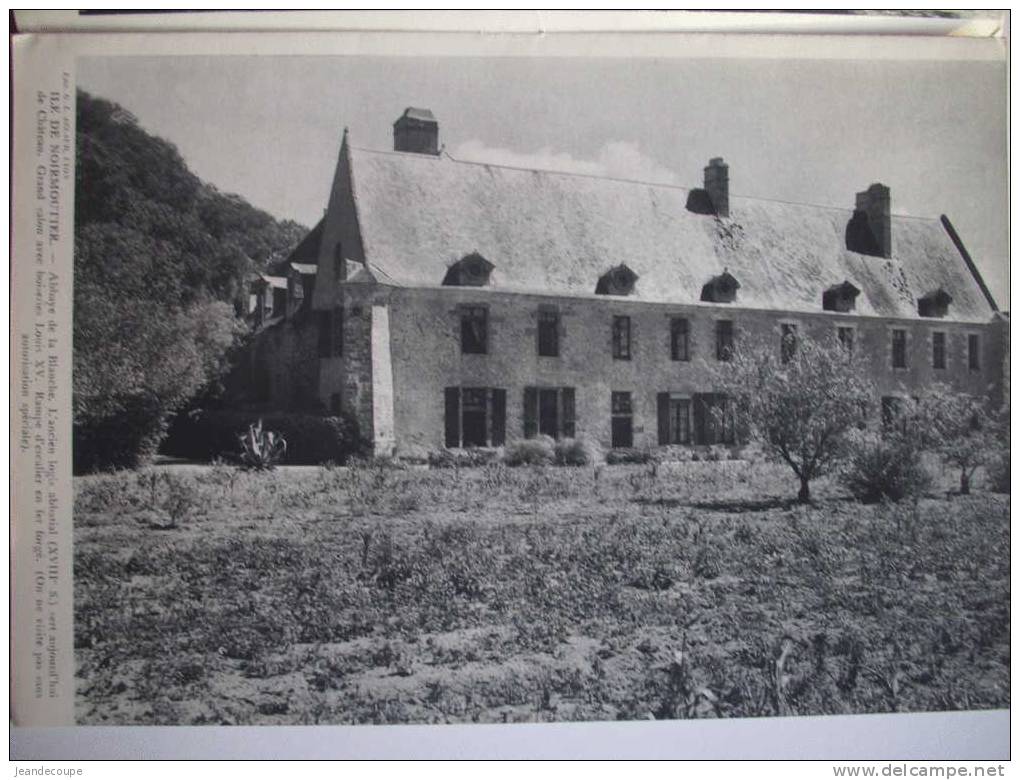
(618, 179)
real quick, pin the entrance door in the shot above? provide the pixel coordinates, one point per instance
(623, 432)
(473, 417)
(623, 419)
(548, 412)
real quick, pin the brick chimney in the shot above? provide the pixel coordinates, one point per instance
(717, 185)
(873, 203)
(416, 131)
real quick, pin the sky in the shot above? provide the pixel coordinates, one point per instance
(808, 131)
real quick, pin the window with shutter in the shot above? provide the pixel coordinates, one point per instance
(662, 416)
(549, 411)
(498, 417)
(530, 412)
(622, 419)
(567, 395)
(674, 413)
(453, 417)
(475, 416)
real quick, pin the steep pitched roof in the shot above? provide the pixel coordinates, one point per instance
(558, 233)
(307, 251)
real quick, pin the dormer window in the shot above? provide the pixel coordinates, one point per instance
(720, 289)
(934, 304)
(472, 270)
(840, 297)
(617, 281)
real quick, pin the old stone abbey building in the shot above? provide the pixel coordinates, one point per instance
(448, 303)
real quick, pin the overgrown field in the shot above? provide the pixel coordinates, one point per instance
(376, 595)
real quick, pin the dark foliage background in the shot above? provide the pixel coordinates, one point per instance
(207, 434)
(160, 261)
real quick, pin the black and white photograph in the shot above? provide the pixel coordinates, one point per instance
(529, 389)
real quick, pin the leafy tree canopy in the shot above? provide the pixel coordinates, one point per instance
(797, 401)
(160, 262)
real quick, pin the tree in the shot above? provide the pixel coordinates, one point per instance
(960, 428)
(798, 402)
(134, 365)
(159, 260)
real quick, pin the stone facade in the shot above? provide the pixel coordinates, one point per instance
(426, 358)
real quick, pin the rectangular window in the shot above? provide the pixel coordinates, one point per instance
(674, 419)
(787, 342)
(475, 416)
(974, 352)
(548, 333)
(621, 338)
(938, 349)
(679, 339)
(549, 411)
(723, 339)
(899, 349)
(846, 338)
(714, 420)
(623, 419)
(474, 330)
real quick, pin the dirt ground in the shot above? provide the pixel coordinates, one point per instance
(376, 595)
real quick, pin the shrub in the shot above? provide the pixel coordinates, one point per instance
(127, 439)
(539, 451)
(888, 468)
(471, 457)
(261, 449)
(628, 455)
(577, 452)
(311, 440)
(672, 453)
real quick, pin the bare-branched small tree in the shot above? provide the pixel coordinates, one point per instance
(798, 400)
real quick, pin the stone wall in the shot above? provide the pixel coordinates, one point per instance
(426, 357)
(280, 368)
